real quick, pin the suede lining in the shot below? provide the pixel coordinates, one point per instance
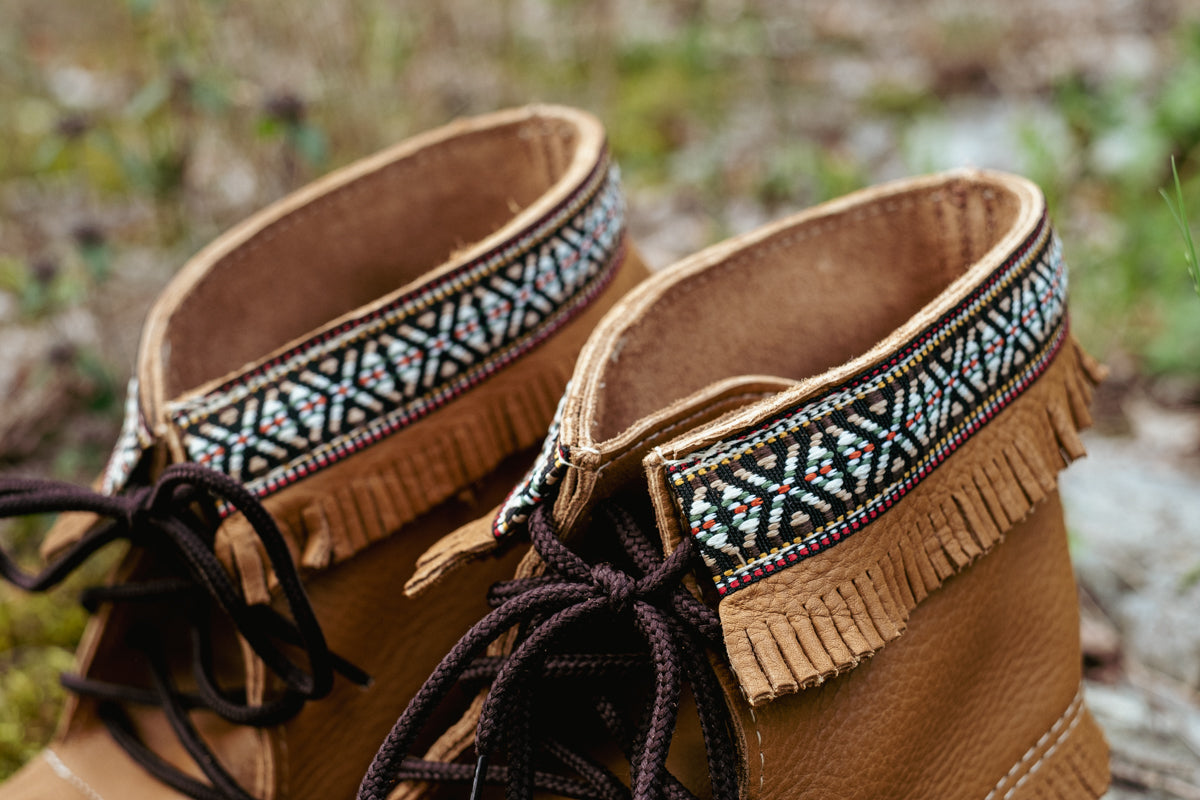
(360, 242)
(850, 279)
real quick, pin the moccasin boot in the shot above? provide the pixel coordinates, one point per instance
(844, 430)
(321, 395)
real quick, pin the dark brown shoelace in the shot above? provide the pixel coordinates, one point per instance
(675, 631)
(175, 522)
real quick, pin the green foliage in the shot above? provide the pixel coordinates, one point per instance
(1178, 106)
(804, 172)
(1129, 291)
(899, 99)
(664, 88)
(301, 136)
(1178, 208)
(30, 699)
(38, 633)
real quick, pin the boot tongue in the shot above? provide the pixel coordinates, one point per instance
(572, 472)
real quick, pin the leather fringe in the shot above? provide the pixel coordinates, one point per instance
(861, 593)
(452, 551)
(418, 470)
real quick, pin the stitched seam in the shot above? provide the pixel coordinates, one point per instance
(1029, 267)
(285, 767)
(762, 758)
(677, 424)
(603, 247)
(817, 228)
(1062, 738)
(933, 196)
(333, 200)
(65, 772)
(371, 432)
(1072, 713)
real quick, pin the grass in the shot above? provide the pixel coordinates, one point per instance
(1103, 166)
(1178, 208)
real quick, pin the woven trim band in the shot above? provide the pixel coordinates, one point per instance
(133, 440)
(347, 388)
(817, 473)
(540, 483)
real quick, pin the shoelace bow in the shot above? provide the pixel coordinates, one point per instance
(677, 631)
(176, 519)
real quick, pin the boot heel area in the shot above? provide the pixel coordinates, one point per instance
(1069, 762)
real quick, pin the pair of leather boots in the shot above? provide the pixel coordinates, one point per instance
(794, 532)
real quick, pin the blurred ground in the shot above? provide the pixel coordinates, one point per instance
(133, 132)
(1133, 512)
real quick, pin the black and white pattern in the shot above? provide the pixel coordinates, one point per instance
(804, 480)
(347, 388)
(540, 484)
(131, 444)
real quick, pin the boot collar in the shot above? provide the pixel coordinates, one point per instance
(364, 376)
(795, 475)
(915, 315)
(529, 229)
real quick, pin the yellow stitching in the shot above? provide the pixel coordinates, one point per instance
(507, 255)
(1017, 268)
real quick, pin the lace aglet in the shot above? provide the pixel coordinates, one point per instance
(480, 774)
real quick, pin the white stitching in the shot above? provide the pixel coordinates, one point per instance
(1062, 737)
(1071, 713)
(762, 758)
(64, 772)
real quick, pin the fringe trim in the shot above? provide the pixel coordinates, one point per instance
(466, 544)
(858, 596)
(420, 471)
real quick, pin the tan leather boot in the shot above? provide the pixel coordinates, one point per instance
(371, 359)
(849, 425)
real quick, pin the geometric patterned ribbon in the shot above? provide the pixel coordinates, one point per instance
(540, 484)
(811, 476)
(133, 440)
(348, 388)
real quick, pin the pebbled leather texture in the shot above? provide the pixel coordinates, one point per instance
(990, 661)
(969, 687)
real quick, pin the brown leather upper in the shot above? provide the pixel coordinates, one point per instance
(935, 652)
(989, 663)
(335, 252)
